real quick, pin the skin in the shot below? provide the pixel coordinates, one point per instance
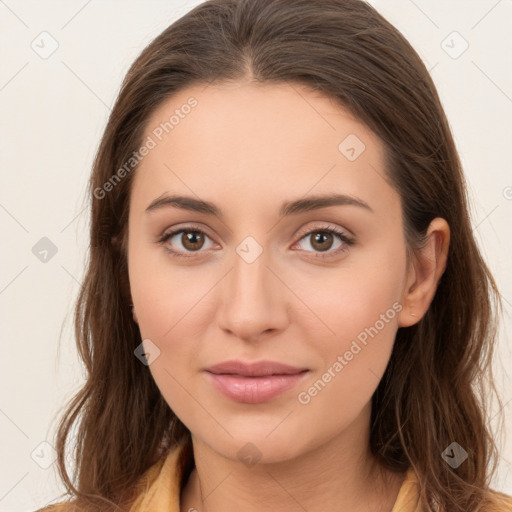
(247, 148)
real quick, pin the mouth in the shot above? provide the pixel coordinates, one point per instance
(254, 382)
(255, 369)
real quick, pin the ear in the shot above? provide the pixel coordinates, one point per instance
(425, 270)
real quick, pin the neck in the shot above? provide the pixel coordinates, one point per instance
(340, 475)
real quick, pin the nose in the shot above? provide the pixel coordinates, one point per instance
(254, 299)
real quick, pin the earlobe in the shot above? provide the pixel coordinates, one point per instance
(424, 273)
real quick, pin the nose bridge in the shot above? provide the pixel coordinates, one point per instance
(249, 277)
(253, 298)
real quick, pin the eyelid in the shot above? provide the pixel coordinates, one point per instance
(172, 232)
(186, 227)
(326, 226)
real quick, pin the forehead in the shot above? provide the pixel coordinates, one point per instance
(260, 141)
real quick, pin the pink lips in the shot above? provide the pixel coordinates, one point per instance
(254, 382)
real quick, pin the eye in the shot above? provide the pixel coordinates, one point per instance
(191, 239)
(324, 238)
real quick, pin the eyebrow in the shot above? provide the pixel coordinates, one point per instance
(288, 208)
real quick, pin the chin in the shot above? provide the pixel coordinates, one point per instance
(255, 445)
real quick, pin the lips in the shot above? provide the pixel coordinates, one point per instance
(257, 369)
(254, 382)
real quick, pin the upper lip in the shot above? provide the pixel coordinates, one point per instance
(255, 369)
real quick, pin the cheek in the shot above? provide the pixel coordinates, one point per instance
(174, 309)
(168, 304)
(348, 299)
(359, 307)
(164, 294)
(163, 302)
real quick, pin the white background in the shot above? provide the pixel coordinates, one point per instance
(52, 114)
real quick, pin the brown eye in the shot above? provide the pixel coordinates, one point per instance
(326, 242)
(322, 241)
(186, 242)
(192, 240)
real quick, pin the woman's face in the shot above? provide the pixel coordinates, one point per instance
(263, 279)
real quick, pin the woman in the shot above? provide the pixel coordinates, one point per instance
(285, 307)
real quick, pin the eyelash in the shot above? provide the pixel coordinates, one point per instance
(323, 229)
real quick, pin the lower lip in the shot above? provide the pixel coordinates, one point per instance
(253, 390)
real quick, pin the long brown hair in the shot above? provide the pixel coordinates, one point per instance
(435, 389)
